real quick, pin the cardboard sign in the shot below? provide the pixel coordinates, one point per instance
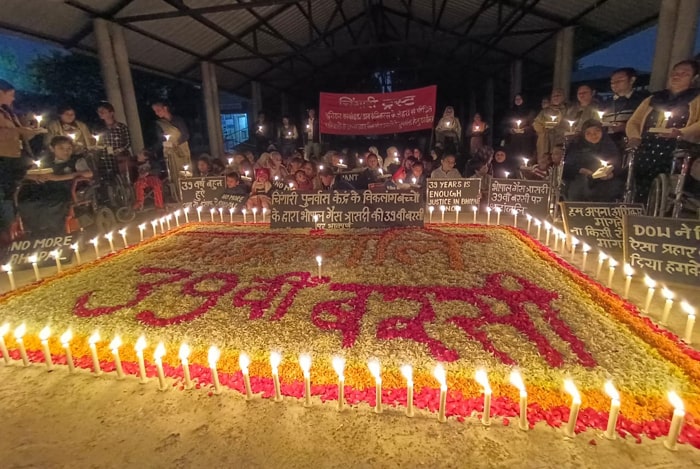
(202, 190)
(232, 200)
(453, 192)
(597, 224)
(18, 253)
(357, 178)
(666, 249)
(346, 209)
(522, 195)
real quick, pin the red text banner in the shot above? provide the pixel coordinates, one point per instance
(377, 113)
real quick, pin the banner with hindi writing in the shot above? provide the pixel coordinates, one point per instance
(346, 209)
(666, 249)
(598, 224)
(202, 190)
(377, 113)
(452, 193)
(522, 195)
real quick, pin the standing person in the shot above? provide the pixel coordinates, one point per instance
(654, 154)
(619, 108)
(448, 132)
(287, 136)
(550, 135)
(14, 141)
(585, 109)
(263, 133)
(479, 129)
(175, 138)
(520, 137)
(68, 126)
(312, 137)
(115, 135)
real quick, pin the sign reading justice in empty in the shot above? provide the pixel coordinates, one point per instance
(453, 192)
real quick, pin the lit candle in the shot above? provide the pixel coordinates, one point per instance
(554, 118)
(441, 376)
(570, 387)
(555, 232)
(65, 342)
(375, 371)
(221, 215)
(483, 379)
(319, 261)
(305, 364)
(4, 329)
(161, 222)
(142, 227)
(44, 337)
(139, 347)
(264, 213)
(56, 254)
(430, 210)
(19, 338)
(601, 114)
(526, 161)
(275, 360)
(230, 215)
(185, 169)
(601, 260)
(211, 213)
(244, 212)
(34, 260)
(538, 224)
(10, 276)
(167, 137)
(547, 230)
(407, 372)
(651, 288)
(199, 213)
(114, 347)
(38, 118)
(488, 215)
(168, 218)
(108, 237)
(92, 341)
(339, 367)
(97, 138)
(177, 217)
(230, 161)
(529, 222)
(475, 209)
(629, 271)
(255, 214)
(498, 215)
(668, 294)
(507, 173)
(186, 211)
(184, 354)
(585, 249)
(213, 357)
(413, 180)
(574, 243)
(571, 126)
(315, 220)
(154, 227)
(361, 161)
(72, 136)
(517, 381)
(515, 217)
(158, 355)
(612, 263)
(95, 243)
(457, 210)
(244, 363)
(614, 410)
(518, 122)
(690, 323)
(676, 422)
(667, 116)
(122, 232)
(442, 210)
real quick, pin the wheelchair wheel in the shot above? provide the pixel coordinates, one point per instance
(657, 203)
(125, 214)
(105, 220)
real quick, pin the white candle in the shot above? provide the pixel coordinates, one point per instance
(230, 215)
(538, 224)
(667, 116)
(65, 342)
(612, 263)
(515, 217)
(507, 173)
(44, 337)
(601, 114)
(676, 422)
(430, 210)
(95, 243)
(221, 214)
(168, 218)
(602, 257)
(184, 354)
(4, 329)
(199, 214)
(114, 347)
(498, 215)
(275, 360)
(108, 237)
(33, 259)
(158, 355)
(244, 212)
(56, 254)
(529, 222)
(525, 161)
(441, 376)
(139, 347)
(574, 243)
(518, 122)
(186, 211)
(213, 357)
(339, 367)
(457, 210)
(177, 217)
(570, 387)
(629, 271)
(475, 209)
(142, 227)
(585, 249)
(690, 323)
(167, 137)
(122, 232)
(92, 341)
(264, 213)
(255, 214)
(154, 227)
(375, 370)
(19, 338)
(442, 211)
(10, 276)
(482, 378)
(212, 211)
(556, 239)
(651, 287)
(244, 363)
(547, 230)
(571, 125)
(614, 410)
(488, 215)
(305, 364)
(407, 372)
(319, 261)
(668, 294)
(38, 118)
(517, 381)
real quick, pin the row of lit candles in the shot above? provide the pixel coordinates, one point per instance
(338, 363)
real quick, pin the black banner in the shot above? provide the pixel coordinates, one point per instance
(520, 194)
(202, 190)
(346, 209)
(453, 192)
(666, 249)
(356, 178)
(18, 252)
(596, 223)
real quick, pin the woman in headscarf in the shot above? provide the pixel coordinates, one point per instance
(449, 130)
(503, 165)
(517, 129)
(479, 130)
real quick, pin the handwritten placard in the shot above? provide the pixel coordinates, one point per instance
(202, 190)
(346, 209)
(597, 224)
(520, 194)
(453, 192)
(666, 249)
(18, 252)
(357, 179)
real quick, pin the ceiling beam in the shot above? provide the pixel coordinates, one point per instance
(205, 10)
(85, 31)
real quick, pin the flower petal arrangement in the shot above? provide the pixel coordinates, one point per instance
(465, 296)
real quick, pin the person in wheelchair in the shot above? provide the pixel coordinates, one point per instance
(592, 166)
(43, 206)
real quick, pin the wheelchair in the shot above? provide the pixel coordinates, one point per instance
(676, 193)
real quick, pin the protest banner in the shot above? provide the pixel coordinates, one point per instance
(18, 252)
(597, 224)
(202, 190)
(453, 192)
(523, 195)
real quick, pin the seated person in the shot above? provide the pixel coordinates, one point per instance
(417, 178)
(234, 185)
(204, 166)
(295, 164)
(301, 181)
(217, 167)
(330, 182)
(447, 168)
(147, 178)
(585, 156)
(374, 172)
(503, 166)
(260, 190)
(404, 172)
(44, 206)
(277, 169)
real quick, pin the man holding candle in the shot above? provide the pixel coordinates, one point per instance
(115, 135)
(287, 137)
(550, 135)
(585, 109)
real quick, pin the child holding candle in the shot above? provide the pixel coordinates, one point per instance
(260, 190)
(147, 179)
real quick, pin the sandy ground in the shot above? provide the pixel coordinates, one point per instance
(58, 420)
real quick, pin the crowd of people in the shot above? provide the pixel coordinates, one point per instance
(583, 141)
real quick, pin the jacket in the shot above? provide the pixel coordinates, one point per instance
(12, 135)
(691, 131)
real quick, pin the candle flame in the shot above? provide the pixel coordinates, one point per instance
(498, 209)
(275, 360)
(45, 333)
(407, 372)
(20, 331)
(94, 338)
(612, 263)
(122, 232)
(488, 209)
(7, 267)
(687, 309)
(668, 115)
(230, 210)
(255, 210)
(482, 378)
(4, 329)
(212, 211)
(586, 247)
(570, 388)
(649, 282)
(574, 240)
(32, 258)
(305, 362)
(611, 391)
(94, 241)
(513, 212)
(55, 254)
(602, 256)
(184, 351)
(517, 381)
(676, 401)
(629, 271)
(339, 366)
(244, 211)
(440, 375)
(431, 208)
(199, 209)
(243, 362)
(537, 222)
(159, 352)
(547, 226)
(474, 208)
(442, 208)
(319, 260)
(187, 210)
(108, 236)
(142, 226)
(66, 337)
(140, 344)
(668, 294)
(115, 343)
(458, 208)
(213, 356)
(375, 368)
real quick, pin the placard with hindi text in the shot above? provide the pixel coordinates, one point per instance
(597, 224)
(522, 195)
(202, 190)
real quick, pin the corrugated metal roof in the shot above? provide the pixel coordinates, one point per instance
(143, 7)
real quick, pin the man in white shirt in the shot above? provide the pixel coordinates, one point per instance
(447, 169)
